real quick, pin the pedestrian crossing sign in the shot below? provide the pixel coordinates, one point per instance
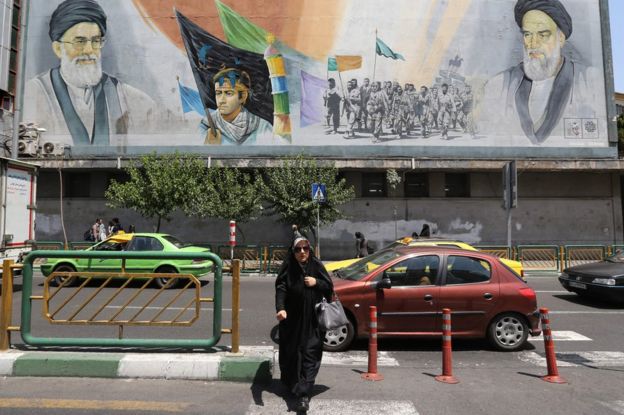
(319, 193)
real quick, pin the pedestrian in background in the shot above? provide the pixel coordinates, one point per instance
(131, 229)
(102, 231)
(95, 230)
(361, 245)
(301, 283)
(111, 226)
(117, 225)
(425, 232)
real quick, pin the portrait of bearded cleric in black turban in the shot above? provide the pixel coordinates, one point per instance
(76, 98)
(547, 88)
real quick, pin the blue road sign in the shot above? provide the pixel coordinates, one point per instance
(319, 193)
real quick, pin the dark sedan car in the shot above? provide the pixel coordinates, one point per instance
(603, 280)
(411, 285)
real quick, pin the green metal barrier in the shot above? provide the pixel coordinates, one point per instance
(539, 257)
(583, 254)
(48, 245)
(80, 245)
(613, 249)
(501, 251)
(27, 299)
(251, 260)
(277, 255)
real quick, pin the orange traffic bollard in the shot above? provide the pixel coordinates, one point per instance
(549, 347)
(372, 348)
(447, 360)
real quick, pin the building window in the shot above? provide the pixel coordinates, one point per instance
(78, 185)
(14, 55)
(416, 185)
(456, 185)
(373, 185)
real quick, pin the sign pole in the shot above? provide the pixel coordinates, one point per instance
(319, 195)
(318, 227)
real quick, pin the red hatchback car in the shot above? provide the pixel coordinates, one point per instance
(411, 285)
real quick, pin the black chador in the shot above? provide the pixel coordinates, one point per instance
(300, 339)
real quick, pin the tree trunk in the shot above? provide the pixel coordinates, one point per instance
(158, 225)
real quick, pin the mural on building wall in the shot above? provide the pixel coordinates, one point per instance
(326, 74)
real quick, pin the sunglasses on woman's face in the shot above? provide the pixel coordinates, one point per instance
(302, 249)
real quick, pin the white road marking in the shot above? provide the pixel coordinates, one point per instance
(357, 358)
(616, 406)
(553, 292)
(563, 336)
(586, 312)
(273, 405)
(352, 358)
(577, 359)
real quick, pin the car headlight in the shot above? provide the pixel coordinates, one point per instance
(604, 281)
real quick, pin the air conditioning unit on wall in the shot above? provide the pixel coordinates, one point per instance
(52, 149)
(28, 147)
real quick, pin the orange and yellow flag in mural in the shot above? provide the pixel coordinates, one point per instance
(348, 62)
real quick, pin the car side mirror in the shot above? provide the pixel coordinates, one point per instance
(384, 283)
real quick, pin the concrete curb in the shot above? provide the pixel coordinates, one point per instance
(252, 365)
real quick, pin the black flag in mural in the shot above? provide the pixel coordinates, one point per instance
(208, 55)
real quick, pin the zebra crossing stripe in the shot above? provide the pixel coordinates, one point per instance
(563, 336)
(577, 359)
(615, 406)
(273, 405)
(357, 358)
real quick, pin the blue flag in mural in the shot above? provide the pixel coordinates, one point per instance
(384, 50)
(208, 55)
(312, 89)
(191, 101)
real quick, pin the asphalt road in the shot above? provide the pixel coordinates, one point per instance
(588, 342)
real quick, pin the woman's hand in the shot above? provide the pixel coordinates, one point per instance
(309, 281)
(281, 315)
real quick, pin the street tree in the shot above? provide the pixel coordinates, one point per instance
(287, 192)
(230, 194)
(158, 185)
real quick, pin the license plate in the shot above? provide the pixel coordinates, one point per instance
(577, 285)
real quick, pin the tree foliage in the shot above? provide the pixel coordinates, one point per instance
(287, 191)
(158, 185)
(230, 193)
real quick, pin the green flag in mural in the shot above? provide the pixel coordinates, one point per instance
(240, 32)
(332, 64)
(384, 50)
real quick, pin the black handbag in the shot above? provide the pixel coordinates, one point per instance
(330, 315)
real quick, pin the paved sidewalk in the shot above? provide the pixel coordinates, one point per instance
(253, 364)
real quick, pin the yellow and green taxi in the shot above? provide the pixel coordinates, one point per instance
(133, 242)
(516, 266)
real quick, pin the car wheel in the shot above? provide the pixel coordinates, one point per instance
(65, 281)
(508, 332)
(339, 339)
(161, 282)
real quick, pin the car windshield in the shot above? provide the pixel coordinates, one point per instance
(364, 266)
(174, 241)
(618, 257)
(109, 245)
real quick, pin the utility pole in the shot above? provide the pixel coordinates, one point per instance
(510, 193)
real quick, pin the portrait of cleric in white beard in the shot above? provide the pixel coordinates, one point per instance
(547, 86)
(76, 99)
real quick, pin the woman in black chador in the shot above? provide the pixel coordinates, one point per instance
(301, 283)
